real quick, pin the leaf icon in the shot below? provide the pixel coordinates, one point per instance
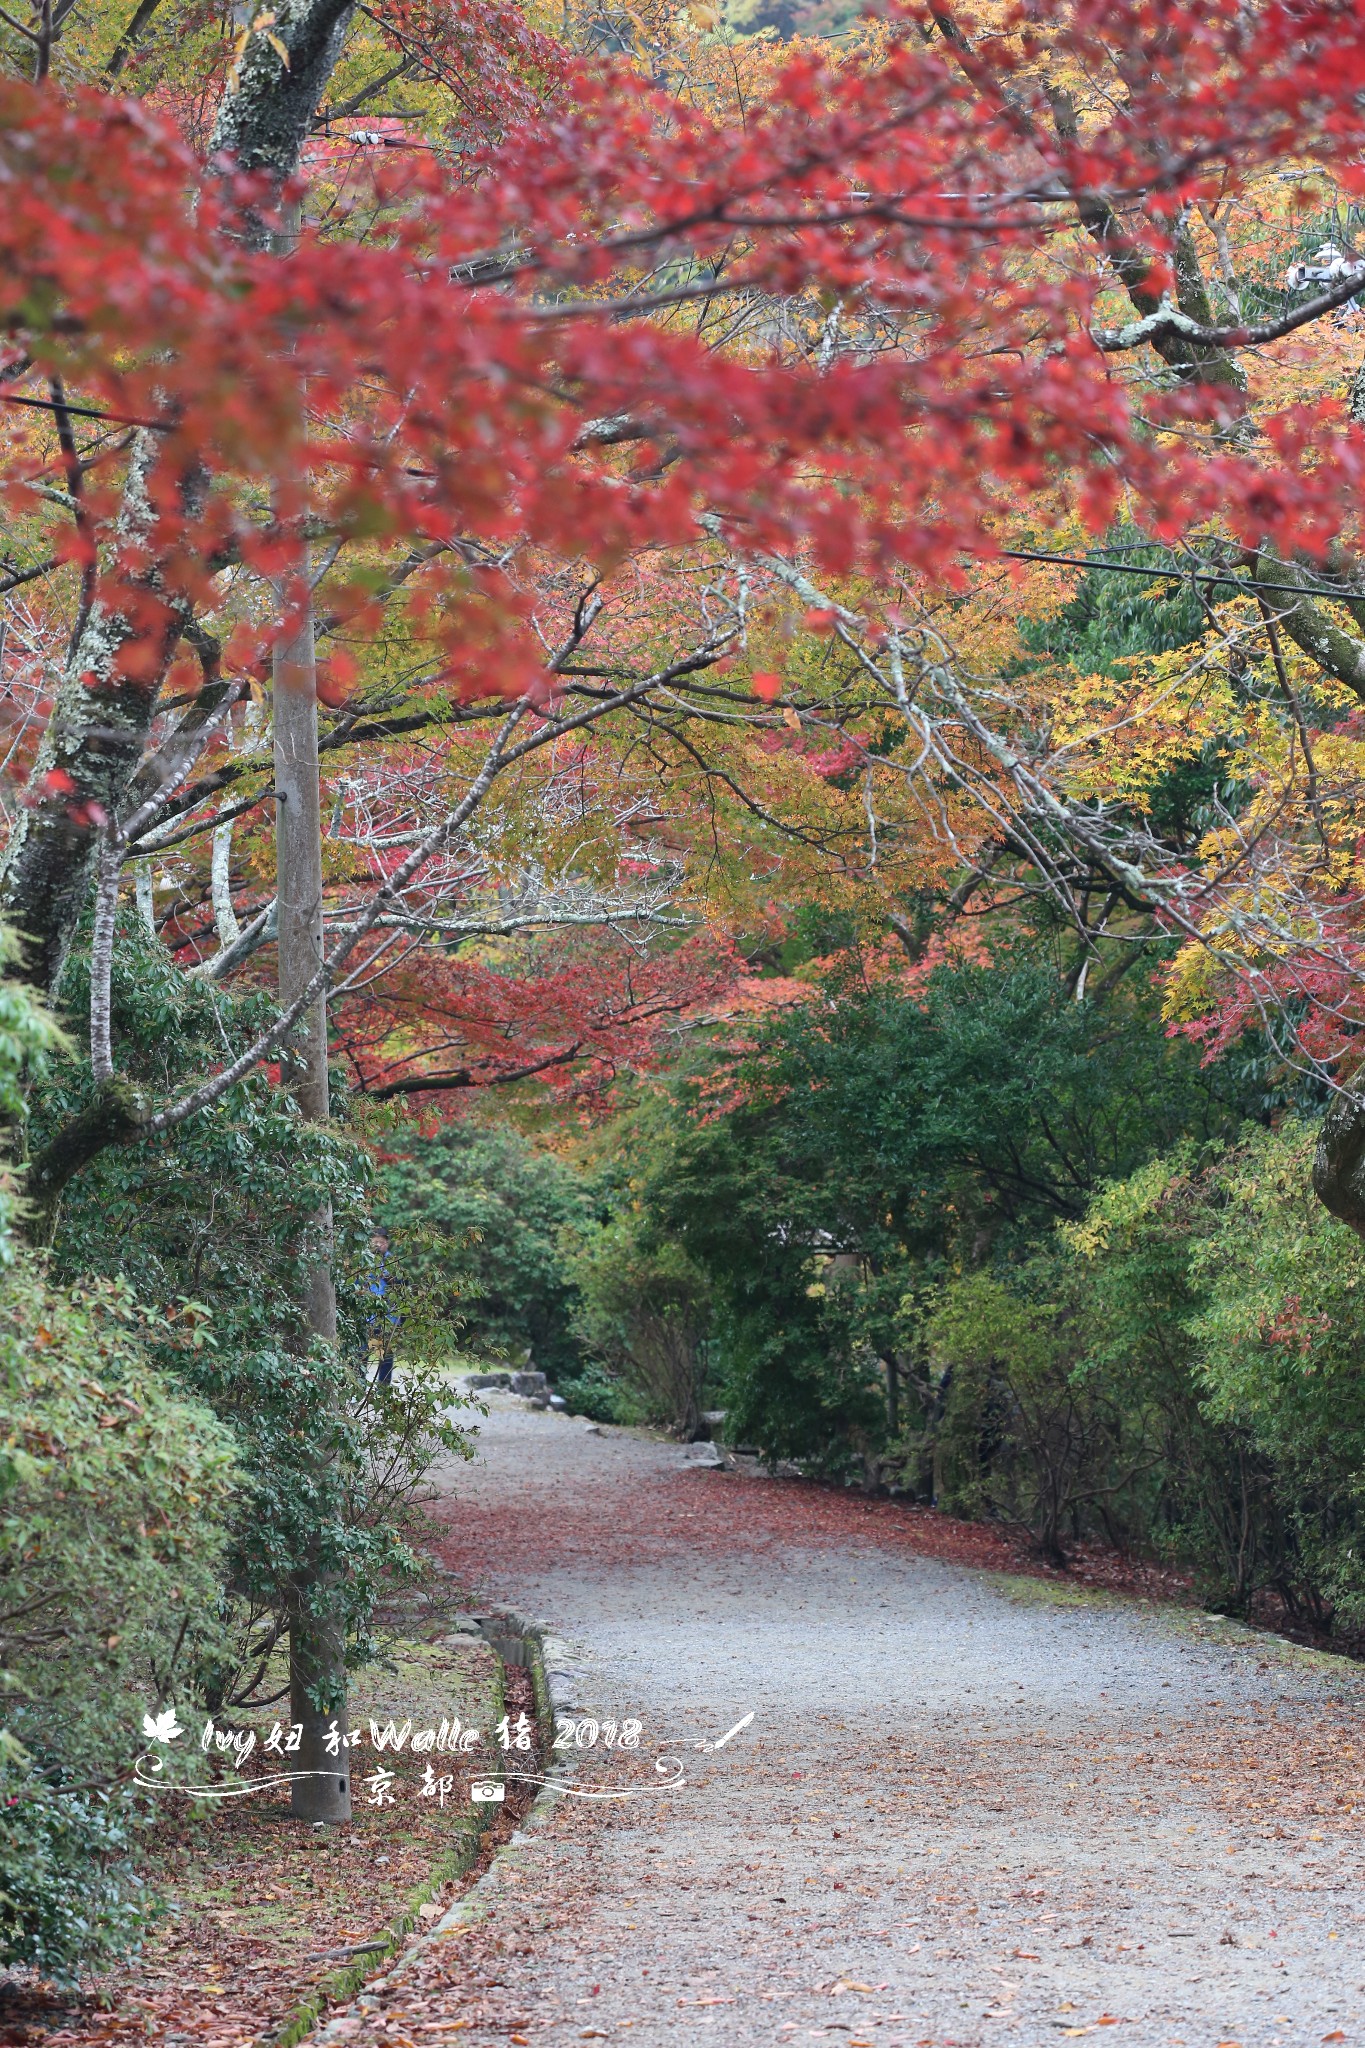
(162, 1727)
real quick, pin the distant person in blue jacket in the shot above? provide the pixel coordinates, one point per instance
(384, 1322)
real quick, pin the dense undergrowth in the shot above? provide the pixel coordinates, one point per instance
(964, 1239)
(171, 1443)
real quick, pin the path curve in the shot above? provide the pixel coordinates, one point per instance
(962, 1813)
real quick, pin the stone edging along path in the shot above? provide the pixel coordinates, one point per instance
(330, 2013)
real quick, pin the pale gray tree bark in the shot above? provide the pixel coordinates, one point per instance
(317, 1648)
(220, 883)
(321, 1790)
(101, 719)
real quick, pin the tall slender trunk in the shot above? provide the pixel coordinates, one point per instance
(317, 1659)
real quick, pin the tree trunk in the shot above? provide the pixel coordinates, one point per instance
(317, 1660)
(1339, 1163)
(102, 716)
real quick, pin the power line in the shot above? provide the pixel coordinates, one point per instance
(1176, 575)
(83, 412)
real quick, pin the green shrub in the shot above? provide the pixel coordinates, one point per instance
(875, 1140)
(30, 1039)
(645, 1312)
(114, 1493)
(480, 1211)
(222, 1212)
(1039, 1427)
(1209, 1502)
(70, 1897)
(1186, 1366)
(599, 1395)
(1280, 1337)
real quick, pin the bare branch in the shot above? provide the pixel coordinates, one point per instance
(1168, 322)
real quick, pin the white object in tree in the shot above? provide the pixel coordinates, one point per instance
(224, 916)
(145, 896)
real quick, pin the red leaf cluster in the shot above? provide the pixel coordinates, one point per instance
(448, 376)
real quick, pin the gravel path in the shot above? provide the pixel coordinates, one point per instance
(965, 1810)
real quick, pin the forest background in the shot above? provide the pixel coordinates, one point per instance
(709, 667)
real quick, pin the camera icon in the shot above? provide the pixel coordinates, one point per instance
(488, 1793)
